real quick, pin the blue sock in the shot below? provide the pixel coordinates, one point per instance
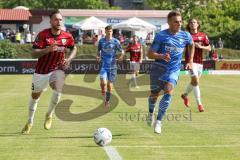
(151, 104)
(108, 96)
(163, 106)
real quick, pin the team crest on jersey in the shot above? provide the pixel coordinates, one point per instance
(199, 38)
(64, 41)
(181, 41)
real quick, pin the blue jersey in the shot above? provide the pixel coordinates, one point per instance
(165, 42)
(108, 50)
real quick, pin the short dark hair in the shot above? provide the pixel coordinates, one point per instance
(54, 12)
(109, 27)
(173, 14)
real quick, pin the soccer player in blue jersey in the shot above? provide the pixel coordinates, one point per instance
(108, 47)
(167, 49)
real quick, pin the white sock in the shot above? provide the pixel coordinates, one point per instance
(189, 88)
(134, 79)
(197, 94)
(53, 103)
(32, 107)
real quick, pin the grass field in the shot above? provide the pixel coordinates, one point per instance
(186, 133)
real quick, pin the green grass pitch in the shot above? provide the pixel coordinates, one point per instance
(186, 133)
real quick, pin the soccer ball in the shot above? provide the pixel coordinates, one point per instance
(102, 136)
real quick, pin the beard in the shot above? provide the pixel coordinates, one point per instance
(57, 28)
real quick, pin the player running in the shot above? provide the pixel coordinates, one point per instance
(49, 47)
(201, 43)
(136, 55)
(107, 54)
(167, 49)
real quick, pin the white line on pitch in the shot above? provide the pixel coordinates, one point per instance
(112, 153)
(181, 146)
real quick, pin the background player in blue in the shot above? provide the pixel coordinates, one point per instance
(167, 49)
(107, 54)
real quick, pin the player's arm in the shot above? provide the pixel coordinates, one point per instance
(141, 54)
(191, 50)
(98, 55)
(40, 48)
(120, 49)
(37, 53)
(207, 48)
(73, 53)
(152, 52)
(121, 55)
(154, 55)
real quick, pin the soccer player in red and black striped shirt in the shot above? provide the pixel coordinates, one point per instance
(136, 55)
(50, 47)
(201, 43)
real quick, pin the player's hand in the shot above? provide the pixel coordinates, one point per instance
(53, 47)
(140, 61)
(166, 57)
(197, 45)
(188, 66)
(66, 64)
(120, 59)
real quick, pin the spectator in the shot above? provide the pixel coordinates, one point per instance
(220, 43)
(28, 38)
(121, 39)
(214, 55)
(33, 36)
(1, 36)
(18, 37)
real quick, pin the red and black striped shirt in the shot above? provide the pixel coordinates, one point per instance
(52, 60)
(202, 39)
(135, 52)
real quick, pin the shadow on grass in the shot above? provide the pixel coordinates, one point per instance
(13, 134)
(89, 136)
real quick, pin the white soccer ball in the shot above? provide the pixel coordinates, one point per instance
(102, 136)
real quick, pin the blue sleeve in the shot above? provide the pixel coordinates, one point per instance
(156, 44)
(118, 46)
(189, 38)
(100, 45)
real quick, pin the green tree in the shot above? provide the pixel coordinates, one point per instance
(56, 4)
(219, 18)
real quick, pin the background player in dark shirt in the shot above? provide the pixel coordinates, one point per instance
(50, 47)
(135, 50)
(201, 43)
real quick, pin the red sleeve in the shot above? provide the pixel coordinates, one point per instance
(39, 42)
(70, 42)
(206, 40)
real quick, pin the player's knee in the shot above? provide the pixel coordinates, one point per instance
(194, 82)
(154, 97)
(109, 86)
(36, 95)
(168, 88)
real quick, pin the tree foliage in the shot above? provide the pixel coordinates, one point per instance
(219, 18)
(56, 4)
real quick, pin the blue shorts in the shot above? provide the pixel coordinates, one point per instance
(159, 76)
(108, 74)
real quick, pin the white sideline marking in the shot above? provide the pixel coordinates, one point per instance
(112, 153)
(182, 146)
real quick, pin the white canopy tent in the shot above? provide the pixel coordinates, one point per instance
(135, 24)
(91, 23)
